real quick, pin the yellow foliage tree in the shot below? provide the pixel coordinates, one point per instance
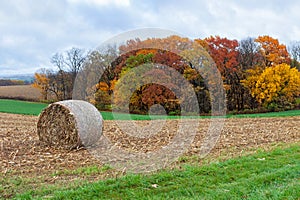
(41, 82)
(102, 96)
(103, 86)
(279, 84)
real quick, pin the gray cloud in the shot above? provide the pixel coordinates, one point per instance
(32, 31)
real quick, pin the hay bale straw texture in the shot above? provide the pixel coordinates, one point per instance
(70, 124)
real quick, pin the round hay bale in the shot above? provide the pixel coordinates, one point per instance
(70, 124)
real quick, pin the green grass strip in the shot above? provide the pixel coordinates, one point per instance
(21, 107)
(288, 113)
(264, 175)
(33, 108)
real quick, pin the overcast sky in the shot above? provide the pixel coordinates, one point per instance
(31, 31)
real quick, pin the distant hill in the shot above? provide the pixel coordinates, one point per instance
(27, 78)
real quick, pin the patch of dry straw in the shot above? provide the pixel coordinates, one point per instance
(69, 124)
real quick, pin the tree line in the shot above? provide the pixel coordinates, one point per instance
(258, 74)
(9, 82)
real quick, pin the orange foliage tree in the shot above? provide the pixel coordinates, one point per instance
(273, 52)
(225, 54)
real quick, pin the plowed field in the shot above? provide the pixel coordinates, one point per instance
(22, 151)
(23, 155)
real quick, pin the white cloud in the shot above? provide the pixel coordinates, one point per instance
(102, 2)
(32, 31)
(10, 41)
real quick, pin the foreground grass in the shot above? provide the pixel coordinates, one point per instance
(31, 108)
(264, 175)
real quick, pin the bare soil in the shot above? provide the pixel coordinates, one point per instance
(22, 154)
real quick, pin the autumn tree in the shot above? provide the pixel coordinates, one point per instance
(129, 86)
(159, 94)
(273, 52)
(225, 54)
(162, 92)
(49, 83)
(183, 62)
(167, 52)
(102, 95)
(101, 71)
(256, 57)
(42, 83)
(275, 86)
